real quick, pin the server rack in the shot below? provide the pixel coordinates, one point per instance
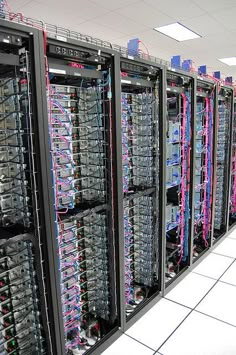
(232, 205)
(180, 98)
(141, 96)
(26, 288)
(205, 126)
(82, 132)
(223, 158)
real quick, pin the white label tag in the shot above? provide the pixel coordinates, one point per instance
(57, 71)
(126, 81)
(61, 38)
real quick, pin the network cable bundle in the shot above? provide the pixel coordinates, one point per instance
(203, 167)
(23, 323)
(14, 206)
(139, 105)
(139, 250)
(232, 211)
(222, 178)
(80, 135)
(21, 329)
(178, 144)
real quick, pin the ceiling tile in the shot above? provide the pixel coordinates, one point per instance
(113, 5)
(155, 38)
(15, 5)
(209, 45)
(160, 53)
(145, 14)
(178, 10)
(37, 10)
(83, 9)
(203, 25)
(95, 30)
(120, 23)
(226, 17)
(214, 5)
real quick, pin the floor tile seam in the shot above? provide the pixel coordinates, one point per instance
(218, 280)
(227, 283)
(227, 256)
(230, 237)
(138, 341)
(192, 310)
(183, 320)
(226, 270)
(178, 303)
(215, 318)
(212, 278)
(189, 308)
(209, 277)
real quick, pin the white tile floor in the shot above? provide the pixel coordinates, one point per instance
(198, 317)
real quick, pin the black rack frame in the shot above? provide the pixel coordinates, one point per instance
(42, 151)
(71, 43)
(148, 304)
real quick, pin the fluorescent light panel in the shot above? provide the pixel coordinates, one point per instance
(229, 61)
(177, 31)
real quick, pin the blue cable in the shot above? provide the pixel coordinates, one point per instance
(187, 210)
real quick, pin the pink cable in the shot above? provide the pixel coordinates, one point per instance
(183, 179)
(205, 212)
(211, 145)
(234, 180)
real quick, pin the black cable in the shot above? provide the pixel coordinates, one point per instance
(10, 113)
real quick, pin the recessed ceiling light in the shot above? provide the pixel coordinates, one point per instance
(177, 31)
(229, 61)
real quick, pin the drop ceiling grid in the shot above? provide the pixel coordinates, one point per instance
(119, 20)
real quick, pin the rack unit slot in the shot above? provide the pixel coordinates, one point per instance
(225, 98)
(140, 161)
(204, 164)
(178, 165)
(80, 120)
(232, 206)
(25, 300)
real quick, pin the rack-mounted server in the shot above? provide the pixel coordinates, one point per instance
(81, 133)
(204, 165)
(25, 302)
(21, 324)
(224, 124)
(140, 110)
(232, 204)
(179, 97)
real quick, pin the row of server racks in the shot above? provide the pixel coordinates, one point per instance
(117, 175)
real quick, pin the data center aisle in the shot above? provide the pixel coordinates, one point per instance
(197, 317)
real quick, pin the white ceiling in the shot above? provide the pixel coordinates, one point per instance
(118, 21)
